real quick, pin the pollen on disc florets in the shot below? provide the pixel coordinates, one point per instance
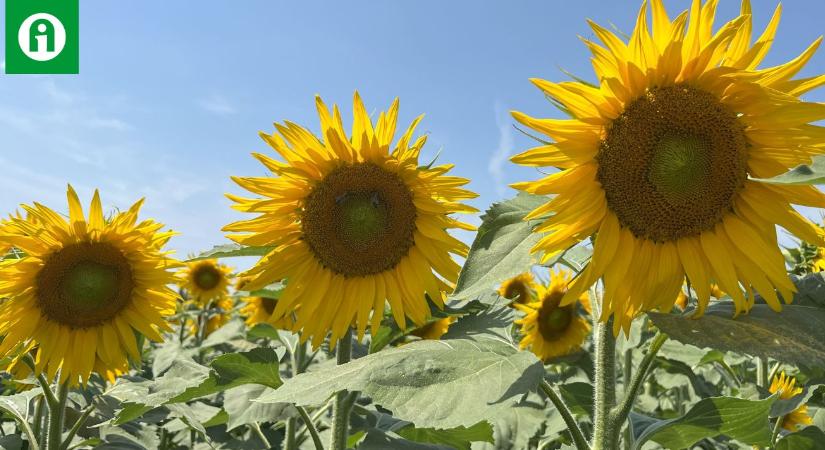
(84, 285)
(359, 220)
(672, 163)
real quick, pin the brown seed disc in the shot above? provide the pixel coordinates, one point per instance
(207, 277)
(554, 319)
(84, 285)
(359, 220)
(672, 163)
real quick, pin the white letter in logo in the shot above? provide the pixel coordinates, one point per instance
(41, 37)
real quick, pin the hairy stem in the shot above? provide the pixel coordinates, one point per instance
(76, 427)
(569, 420)
(627, 372)
(619, 415)
(57, 413)
(310, 425)
(604, 394)
(341, 407)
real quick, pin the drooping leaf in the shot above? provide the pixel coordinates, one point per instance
(813, 173)
(231, 251)
(743, 420)
(459, 438)
(796, 335)
(501, 248)
(17, 406)
(438, 384)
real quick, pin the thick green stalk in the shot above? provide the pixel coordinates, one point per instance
(627, 372)
(604, 395)
(569, 420)
(619, 415)
(341, 407)
(57, 413)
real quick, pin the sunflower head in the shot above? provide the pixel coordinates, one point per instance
(786, 387)
(520, 289)
(662, 159)
(550, 329)
(355, 222)
(206, 280)
(83, 288)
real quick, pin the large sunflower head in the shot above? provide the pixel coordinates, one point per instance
(662, 156)
(83, 288)
(786, 386)
(520, 289)
(549, 328)
(206, 280)
(355, 221)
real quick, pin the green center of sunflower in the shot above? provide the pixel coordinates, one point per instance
(672, 163)
(359, 220)
(84, 285)
(554, 319)
(207, 277)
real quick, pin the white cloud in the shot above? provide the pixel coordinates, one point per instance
(500, 156)
(217, 104)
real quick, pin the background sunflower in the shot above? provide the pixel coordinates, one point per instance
(355, 221)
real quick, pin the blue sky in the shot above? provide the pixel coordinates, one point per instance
(171, 95)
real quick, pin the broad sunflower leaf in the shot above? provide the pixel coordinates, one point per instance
(813, 173)
(187, 380)
(743, 420)
(433, 384)
(796, 335)
(810, 438)
(231, 251)
(513, 429)
(501, 248)
(379, 440)
(243, 411)
(459, 438)
(17, 406)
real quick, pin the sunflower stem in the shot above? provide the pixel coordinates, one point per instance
(627, 372)
(256, 427)
(76, 427)
(342, 406)
(569, 420)
(296, 357)
(38, 415)
(776, 429)
(619, 415)
(604, 395)
(310, 426)
(57, 413)
(762, 372)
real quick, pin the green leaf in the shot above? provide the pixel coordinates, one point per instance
(501, 248)
(242, 410)
(458, 438)
(263, 331)
(493, 323)
(231, 251)
(379, 440)
(234, 329)
(439, 384)
(186, 381)
(796, 335)
(810, 438)
(578, 397)
(17, 406)
(743, 420)
(801, 174)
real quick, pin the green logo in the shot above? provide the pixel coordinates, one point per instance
(42, 36)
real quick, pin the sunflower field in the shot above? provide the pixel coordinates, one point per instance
(640, 293)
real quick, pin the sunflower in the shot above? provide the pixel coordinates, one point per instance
(259, 310)
(549, 328)
(520, 289)
(83, 288)
(206, 280)
(354, 222)
(786, 386)
(661, 162)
